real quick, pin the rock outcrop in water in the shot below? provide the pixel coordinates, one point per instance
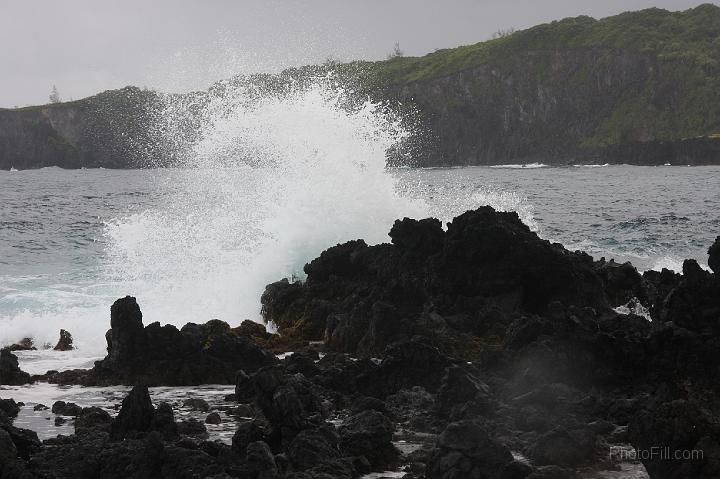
(10, 372)
(65, 343)
(499, 353)
(638, 88)
(163, 355)
(714, 256)
(549, 356)
(475, 279)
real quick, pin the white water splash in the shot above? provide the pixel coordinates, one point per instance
(272, 181)
(268, 181)
(634, 306)
(520, 166)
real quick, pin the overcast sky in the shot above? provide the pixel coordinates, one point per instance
(86, 46)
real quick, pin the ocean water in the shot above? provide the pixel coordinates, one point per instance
(268, 182)
(193, 245)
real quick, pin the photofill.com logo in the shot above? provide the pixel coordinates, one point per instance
(661, 453)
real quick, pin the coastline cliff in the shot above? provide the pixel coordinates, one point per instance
(638, 88)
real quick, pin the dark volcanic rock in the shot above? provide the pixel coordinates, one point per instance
(714, 256)
(406, 364)
(290, 403)
(361, 298)
(8, 451)
(658, 286)
(314, 446)
(197, 404)
(25, 344)
(484, 334)
(677, 439)
(694, 303)
(26, 442)
(621, 282)
(365, 403)
(193, 428)
(369, 434)
(419, 237)
(164, 421)
(494, 255)
(65, 343)
(94, 455)
(91, 420)
(10, 372)
(261, 461)
(126, 338)
(9, 407)
(564, 448)
(213, 418)
(66, 409)
(244, 389)
(247, 433)
(301, 363)
(462, 393)
(163, 355)
(136, 414)
(466, 450)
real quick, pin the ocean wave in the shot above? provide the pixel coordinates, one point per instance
(523, 166)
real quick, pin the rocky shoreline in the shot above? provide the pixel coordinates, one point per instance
(507, 353)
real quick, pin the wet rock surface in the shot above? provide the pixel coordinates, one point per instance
(10, 372)
(209, 353)
(477, 352)
(65, 343)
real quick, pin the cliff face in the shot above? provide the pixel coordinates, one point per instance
(28, 139)
(639, 88)
(114, 129)
(558, 107)
(532, 109)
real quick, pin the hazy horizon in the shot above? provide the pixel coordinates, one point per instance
(84, 47)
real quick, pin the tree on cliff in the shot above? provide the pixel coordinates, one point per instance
(55, 95)
(502, 33)
(396, 53)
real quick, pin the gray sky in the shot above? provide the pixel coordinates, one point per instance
(86, 46)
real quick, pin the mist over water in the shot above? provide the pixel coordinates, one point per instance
(270, 182)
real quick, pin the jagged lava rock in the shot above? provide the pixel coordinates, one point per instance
(361, 298)
(714, 256)
(9, 407)
(680, 427)
(25, 344)
(694, 303)
(93, 419)
(10, 372)
(136, 414)
(66, 408)
(290, 403)
(369, 434)
(65, 343)
(465, 450)
(163, 355)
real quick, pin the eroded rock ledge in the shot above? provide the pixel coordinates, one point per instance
(503, 349)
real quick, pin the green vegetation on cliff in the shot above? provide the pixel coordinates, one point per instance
(677, 96)
(639, 87)
(691, 36)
